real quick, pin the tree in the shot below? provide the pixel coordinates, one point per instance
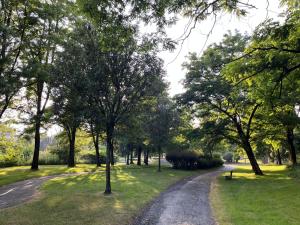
(121, 74)
(70, 89)
(160, 122)
(210, 93)
(271, 64)
(41, 48)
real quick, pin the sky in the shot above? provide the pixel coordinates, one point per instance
(196, 41)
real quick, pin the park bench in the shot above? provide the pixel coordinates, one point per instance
(229, 177)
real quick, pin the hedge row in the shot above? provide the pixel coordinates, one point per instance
(191, 160)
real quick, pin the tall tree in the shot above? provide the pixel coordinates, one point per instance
(121, 74)
(42, 44)
(69, 90)
(271, 64)
(208, 91)
(161, 119)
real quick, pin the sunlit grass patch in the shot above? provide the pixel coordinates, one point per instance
(258, 200)
(18, 173)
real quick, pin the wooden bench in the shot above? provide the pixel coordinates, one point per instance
(229, 177)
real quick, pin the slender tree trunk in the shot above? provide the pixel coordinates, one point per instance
(127, 153)
(292, 149)
(139, 153)
(279, 157)
(128, 157)
(96, 143)
(71, 159)
(36, 152)
(159, 153)
(112, 159)
(131, 154)
(37, 137)
(146, 157)
(109, 149)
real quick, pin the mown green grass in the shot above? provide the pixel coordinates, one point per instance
(272, 199)
(17, 173)
(79, 200)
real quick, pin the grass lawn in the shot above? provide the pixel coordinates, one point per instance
(79, 200)
(272, 199)
(17, 173)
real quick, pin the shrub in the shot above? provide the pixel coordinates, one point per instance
(61, 151)
(91, 158)
(216, 156)
(10, 152)
(48, 158)
(236, 157)
(191, 160)
(204, 163)
(228, 157)
(183, 159)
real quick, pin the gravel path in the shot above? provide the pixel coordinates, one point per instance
(23, 191)
(185, 203)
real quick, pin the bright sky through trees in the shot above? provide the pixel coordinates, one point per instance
(196, 41)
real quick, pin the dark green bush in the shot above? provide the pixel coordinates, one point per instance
(48, 158)
(204, 163)
(228, 157)
(91, 158)
(191, 160)
(216, 156)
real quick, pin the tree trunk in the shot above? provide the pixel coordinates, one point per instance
(146, 157)
(248, 149)
(109, 149)
(35, 160)
(128, 154)
(37, 136)
(292, 149)
(139, 153)
(279, 157)
(96, 143)
(131, 154)
(71, 159)
(112, 159)
(159, 153)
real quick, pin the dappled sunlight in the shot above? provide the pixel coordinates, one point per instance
(171, 174)
(54, 201)
(264, 196)
(270, 172)
(118, 204)
(14, 174)
(125, 177)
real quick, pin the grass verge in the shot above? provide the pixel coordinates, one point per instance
(17, 173)
(80, 200)
(272, 199)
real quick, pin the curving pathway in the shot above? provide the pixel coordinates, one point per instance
(185, 203)
(23, 191)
